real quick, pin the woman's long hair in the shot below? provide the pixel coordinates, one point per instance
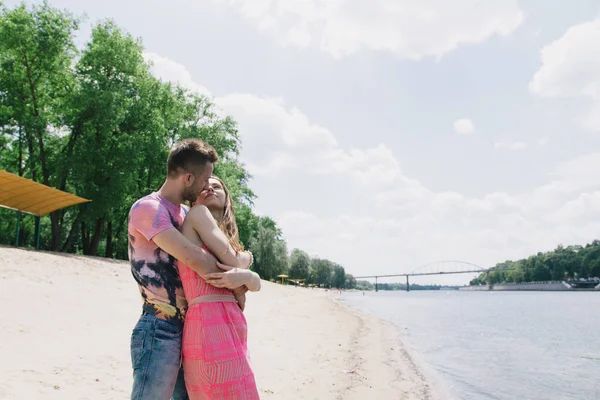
(227, 223)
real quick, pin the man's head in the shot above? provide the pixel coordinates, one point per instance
(190, 163)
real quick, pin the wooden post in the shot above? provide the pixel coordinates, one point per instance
(37, 232)
(18, 228)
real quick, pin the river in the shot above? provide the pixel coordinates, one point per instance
(499, 345)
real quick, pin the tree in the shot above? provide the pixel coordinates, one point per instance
(591, 259)
(247, 223)
(98, 124)
(269, 223)
(338, 279)
(282, 260)
(107, 124)
(36, 50)
(364, 285)
(270, 253)
(561, 263)
(321, 271)
(350, 282)
(299, 264)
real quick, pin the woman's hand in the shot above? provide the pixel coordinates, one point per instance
(232, 278)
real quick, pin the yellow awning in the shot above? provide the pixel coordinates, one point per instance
(31, 197)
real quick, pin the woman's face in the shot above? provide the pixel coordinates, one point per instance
(213, 196)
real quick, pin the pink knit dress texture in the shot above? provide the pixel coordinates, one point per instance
(216, 363)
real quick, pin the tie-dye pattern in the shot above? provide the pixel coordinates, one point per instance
(154, 270)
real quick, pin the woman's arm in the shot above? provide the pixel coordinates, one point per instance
(234, 277)
(211, 235)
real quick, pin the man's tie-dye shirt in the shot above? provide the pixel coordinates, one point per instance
(154, 270)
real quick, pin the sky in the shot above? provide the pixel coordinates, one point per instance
(388, 134)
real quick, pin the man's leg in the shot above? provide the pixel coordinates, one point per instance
(156, 358)
(180, 392)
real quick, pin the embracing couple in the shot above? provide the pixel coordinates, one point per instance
(190, 266)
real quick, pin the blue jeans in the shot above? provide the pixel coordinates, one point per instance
(156, 360)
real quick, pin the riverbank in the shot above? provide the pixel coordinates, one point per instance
(533, 287)
(66, 321)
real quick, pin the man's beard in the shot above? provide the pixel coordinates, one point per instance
(191, 193)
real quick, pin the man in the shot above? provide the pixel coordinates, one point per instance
(155, 246)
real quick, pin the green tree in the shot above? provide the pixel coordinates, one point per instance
(364, 285)
(591, 259)
(338, 278)
(36, 51)
(270, 253)
(321, 272)
(247, 223)
(282, 260)
(269, 223)
(561, 263)
(106, 126)
(350, 282)
(299, 264)
(98, 124)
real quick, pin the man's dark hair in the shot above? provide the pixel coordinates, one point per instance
(190, 155)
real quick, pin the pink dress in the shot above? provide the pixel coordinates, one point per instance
(216, 364)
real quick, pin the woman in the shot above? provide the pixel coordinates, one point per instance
(215, 354)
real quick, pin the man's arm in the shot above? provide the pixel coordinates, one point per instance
(240, 296)
(173, 242)
(149, 218)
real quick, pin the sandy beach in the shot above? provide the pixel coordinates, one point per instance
(66, 321)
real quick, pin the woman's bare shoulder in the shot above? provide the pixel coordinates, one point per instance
(199, 211)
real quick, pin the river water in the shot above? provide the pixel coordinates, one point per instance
(499, 345)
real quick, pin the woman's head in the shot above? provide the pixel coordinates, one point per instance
(215, 195)
(216, 198)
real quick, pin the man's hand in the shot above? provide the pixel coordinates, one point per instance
(240, 296)
(232, 278)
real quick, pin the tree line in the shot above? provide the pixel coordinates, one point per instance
(563, 263)
(95, 122)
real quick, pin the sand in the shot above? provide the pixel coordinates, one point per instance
(66, 320)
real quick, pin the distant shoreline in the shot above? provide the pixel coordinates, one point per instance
(531, 287)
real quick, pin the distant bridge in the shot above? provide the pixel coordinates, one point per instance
(439, 268)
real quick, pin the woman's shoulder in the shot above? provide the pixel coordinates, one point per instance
(199, 209)
(199, 212)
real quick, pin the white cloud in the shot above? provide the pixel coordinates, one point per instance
(279, 138)
(464, 126)
(283, 138)
(392, 221)
(571, 69)
(405, 28)
(294, 130)
(170, 71)
(510, 145)
(543, 141)
(421, 225)
(581, 209)
(579, 173)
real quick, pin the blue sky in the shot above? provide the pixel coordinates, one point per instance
(347, 113)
